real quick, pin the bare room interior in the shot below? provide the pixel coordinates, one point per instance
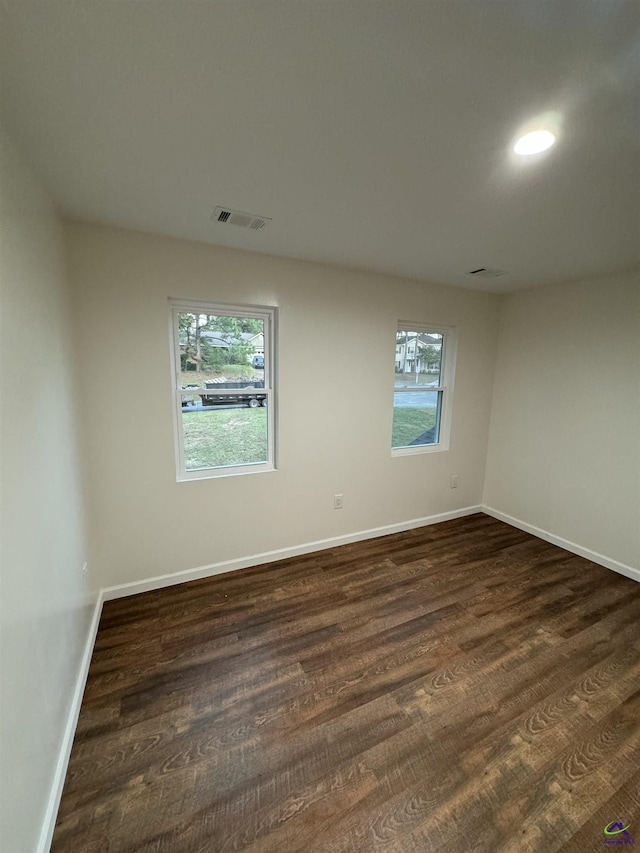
(320, 425)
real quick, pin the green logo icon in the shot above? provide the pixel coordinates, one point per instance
(616, 828)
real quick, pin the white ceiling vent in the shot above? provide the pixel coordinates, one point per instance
(225, 215)
(487, 272)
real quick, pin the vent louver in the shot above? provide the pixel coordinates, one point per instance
(487, 272)
(226, 215)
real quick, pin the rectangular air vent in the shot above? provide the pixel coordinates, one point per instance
(487, 272)
(226, 215)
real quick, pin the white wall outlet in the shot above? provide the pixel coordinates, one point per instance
(85, 569)
(337, 501)
(454, 481)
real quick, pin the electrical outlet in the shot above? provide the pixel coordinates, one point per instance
(454, 481)
(85, 569)
(337, 501)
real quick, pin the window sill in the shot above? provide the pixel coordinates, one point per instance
(231, 471)
(419, 449)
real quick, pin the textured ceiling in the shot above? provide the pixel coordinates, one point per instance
(376, 134)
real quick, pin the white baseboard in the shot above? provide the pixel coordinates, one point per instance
(271, 556)
(587, 553)
(48, 825)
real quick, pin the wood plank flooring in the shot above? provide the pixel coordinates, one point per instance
(459, 687)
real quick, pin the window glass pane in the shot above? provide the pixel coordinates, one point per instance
(416, 418)
(418, 359)
(223, 431)
(220, 348)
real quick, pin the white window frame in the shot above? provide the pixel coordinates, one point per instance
(445, 388)
(268, 315)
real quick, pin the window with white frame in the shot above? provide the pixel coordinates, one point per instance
(423, 386)
(223, 388)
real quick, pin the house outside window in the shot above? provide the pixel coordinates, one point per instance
(423, 388)
(223, 388)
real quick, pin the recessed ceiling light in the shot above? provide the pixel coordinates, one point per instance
(534, 142)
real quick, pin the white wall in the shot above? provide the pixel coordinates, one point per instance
(334, 420)
(564, 451)
(45, 604)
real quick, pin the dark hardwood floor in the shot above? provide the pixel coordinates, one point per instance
(463, 686)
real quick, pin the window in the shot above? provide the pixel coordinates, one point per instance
(422, 393)
(223, 388)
